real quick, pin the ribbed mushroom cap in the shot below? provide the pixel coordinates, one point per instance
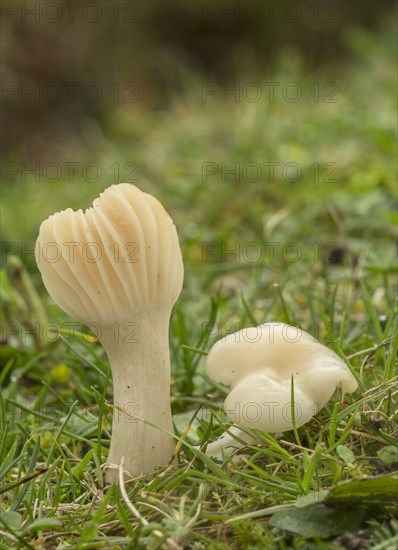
(259, 363)
(118, 258)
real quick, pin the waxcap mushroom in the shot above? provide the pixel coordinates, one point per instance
(117, 267)
(259, 363)
(118, 257)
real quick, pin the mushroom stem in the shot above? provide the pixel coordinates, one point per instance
(227, 444)
(141, 382)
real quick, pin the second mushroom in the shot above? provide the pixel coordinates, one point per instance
(261, 364)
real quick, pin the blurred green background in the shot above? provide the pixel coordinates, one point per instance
(192, 101)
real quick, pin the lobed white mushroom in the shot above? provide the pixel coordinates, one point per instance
(260, 364)
(117, 267)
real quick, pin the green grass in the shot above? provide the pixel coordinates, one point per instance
(283, 493)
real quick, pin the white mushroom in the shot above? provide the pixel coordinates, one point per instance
(117, 267)
(260, 364)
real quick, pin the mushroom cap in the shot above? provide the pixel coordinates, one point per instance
(259, 364)
(118, 258)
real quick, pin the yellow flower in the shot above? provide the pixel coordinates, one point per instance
(61, 373)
